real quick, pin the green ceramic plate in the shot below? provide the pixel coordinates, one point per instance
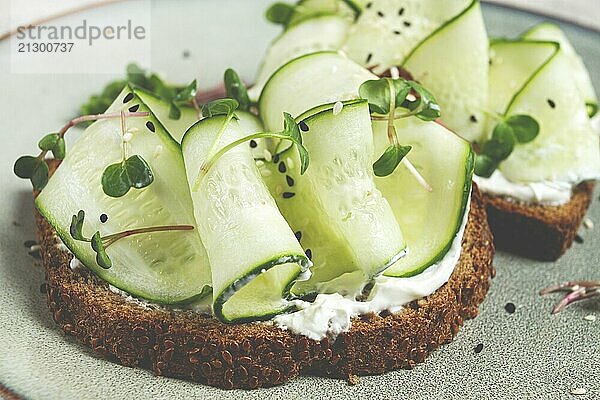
(528, 354)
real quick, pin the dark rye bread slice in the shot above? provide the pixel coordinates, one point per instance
(539, 232)
(187, 345)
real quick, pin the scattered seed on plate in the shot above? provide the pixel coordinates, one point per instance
(407, 24)
(551, 103)
(578, 391)
(473, 118)
(590, 318)
(401, 11)
(478, 348)
(578, 239)
(337, 107)
(510, 308)
(369, 57)
(103, 218)
(253, 143)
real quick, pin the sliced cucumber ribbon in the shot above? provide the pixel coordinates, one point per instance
(540, 73)
(253, 253)
(166, 267)
(338, 214)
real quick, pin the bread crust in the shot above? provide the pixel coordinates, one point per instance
(191, 346)
(539, 232)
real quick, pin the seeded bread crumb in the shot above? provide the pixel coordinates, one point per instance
(539, 232)
(195, 347)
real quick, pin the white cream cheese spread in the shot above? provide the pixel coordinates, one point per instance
(544, 193)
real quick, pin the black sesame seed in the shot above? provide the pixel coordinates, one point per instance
(407, 24)
(401, 11)
(397, 33)
(578, 239)
(298, 235)
(308, 254)
(275, 158)
(103, 218)
(289, 180)
(473, 118)
(369, 5)
(253, 143)
(369, 57)
(381, 14)
(282, 168)
(150, 126)
(128, 98)
(29, 243)
(288, 195)
(490, 61)
(510, 308)
(551, 103)
(186, 54)
(303, 126)
(478, 348)
(134, 108)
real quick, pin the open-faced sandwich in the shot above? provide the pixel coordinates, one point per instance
(324, 222)
(524, 103)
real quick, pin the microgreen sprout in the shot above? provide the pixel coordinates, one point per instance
(176, 96)
(130, 172)
(287, 14)
(386, 96)
(35, 168)
(508, 132)
(101, 243)
(227, 107)
(235, 89)
(579, 290)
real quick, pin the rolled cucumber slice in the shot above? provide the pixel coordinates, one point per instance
(160, 108)
(307, 82)
(550, 31)
(452, 62)
(512, 64)
(326, 32)
(254, 255)
(166, 267)
(566, 148)
(340, 217)
(388, 30)
(429, 220)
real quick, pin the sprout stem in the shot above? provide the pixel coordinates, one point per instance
(110, 239)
